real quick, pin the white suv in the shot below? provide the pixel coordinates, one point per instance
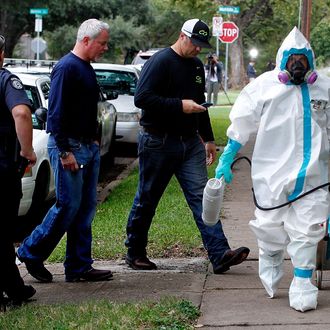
(121, 79)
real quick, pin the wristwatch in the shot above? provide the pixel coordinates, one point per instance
(64, 154)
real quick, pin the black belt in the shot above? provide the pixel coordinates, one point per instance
(160, 133)
(84, 140)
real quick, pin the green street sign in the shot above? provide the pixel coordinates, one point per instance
(229, 10)
(39, 11)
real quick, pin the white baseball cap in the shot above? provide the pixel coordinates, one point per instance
(198, 32)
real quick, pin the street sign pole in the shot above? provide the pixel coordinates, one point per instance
(38, 12)
(226, 67)
(216, 30)
(38, 29)
(38, 46)
(229, 34)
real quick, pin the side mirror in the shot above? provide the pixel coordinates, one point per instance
(112, 95)
(41, 115)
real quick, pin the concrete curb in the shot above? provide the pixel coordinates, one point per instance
(104, 193)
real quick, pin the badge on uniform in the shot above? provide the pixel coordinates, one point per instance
(319, 105)
(16, 83)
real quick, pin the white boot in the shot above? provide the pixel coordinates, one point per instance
(271, 270)
(303, 294)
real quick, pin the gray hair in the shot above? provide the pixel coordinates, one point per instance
(91, 28)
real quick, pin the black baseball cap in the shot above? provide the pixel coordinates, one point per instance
(198, 32)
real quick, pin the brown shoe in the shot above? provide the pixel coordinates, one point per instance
(140, 263)
(231, 258)
(92, 275)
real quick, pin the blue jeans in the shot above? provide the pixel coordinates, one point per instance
(159, 159)
(73, 211)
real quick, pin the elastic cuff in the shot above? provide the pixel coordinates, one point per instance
(234, 145)
(305, 273)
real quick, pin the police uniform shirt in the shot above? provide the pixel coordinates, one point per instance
(12, 93)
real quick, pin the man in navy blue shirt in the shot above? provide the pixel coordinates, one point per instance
(16, 152)
(73, 147)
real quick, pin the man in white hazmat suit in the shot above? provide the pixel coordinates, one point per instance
(289, 109)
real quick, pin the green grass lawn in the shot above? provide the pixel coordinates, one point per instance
(228, 99)
(169, 313)
(220, 122)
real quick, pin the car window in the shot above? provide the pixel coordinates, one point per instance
(32, 94)
(122, 82)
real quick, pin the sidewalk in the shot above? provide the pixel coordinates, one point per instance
(234, 300)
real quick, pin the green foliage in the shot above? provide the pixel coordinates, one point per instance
(15, 19)
(156, 23)
(124, 17)
(266, 32)
(320, 42)
(76, 11)
(203, 9)
(124, 36)
(61, 40)
(168, 313)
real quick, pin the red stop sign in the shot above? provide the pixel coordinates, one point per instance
(229, 32)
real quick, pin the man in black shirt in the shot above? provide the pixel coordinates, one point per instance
(177, 140)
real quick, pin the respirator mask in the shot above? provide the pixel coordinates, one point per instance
(297, 74)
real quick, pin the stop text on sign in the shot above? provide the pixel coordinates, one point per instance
(229, 32)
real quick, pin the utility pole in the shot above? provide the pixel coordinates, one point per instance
(306, 12)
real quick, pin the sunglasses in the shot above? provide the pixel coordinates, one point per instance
(203, 34)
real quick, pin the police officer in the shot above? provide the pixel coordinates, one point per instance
(16, 152)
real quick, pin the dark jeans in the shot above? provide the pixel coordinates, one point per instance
(10, 195)
(159, 159)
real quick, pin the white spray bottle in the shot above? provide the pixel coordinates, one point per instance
(212, 200)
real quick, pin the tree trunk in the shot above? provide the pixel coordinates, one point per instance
(237, 77)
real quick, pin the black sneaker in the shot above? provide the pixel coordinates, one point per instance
(22, 295)
(92, 275)
(37, 270)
